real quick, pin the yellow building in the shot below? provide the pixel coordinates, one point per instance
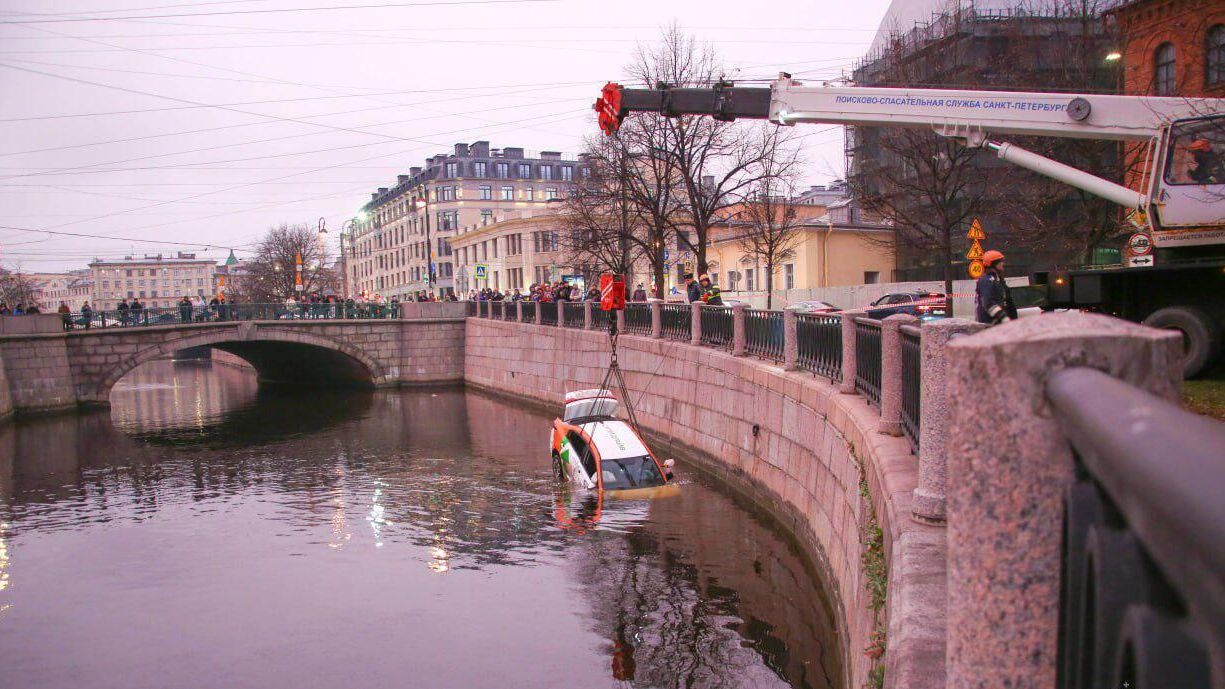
(510, 254)
(838, 245)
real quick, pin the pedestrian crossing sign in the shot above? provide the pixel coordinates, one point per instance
(481, 271)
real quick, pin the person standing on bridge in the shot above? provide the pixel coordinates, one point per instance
(693, 291)
(992, 298)
(65, 315)
(87, 314)
(185, 309)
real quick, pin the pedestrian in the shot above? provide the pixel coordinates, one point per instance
(640, 294)
(185, 309)
(20, 310)
(65, 315)
(693, 291)
(33, 308)
(4, 309)
(214, 306)
(87, 314)
(992, 298)
(123, 310)
(710, 292)
(137, 310)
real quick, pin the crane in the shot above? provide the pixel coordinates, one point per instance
(1179, 202)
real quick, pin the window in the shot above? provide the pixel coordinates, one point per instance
(486, 192)
(508, 193)
(871, 277)
(1196, 156)
(529, 194)
(546, 172)
(452, 169)
(1214, 56)
(749, 276)
(567, 172)
(789, 276)
(486, 217)
(1163, 70)
(525, 171)
(501, 170)
(480, 169)
(550, 193)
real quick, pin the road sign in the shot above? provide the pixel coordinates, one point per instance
(975, 252)
(481, 271)
(1140, 261)
(976, 231)
(1139, 244)
(976, 269)
(667, 255)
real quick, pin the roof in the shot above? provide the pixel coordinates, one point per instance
(615, 439)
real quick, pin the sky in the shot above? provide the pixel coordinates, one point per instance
(167, 125)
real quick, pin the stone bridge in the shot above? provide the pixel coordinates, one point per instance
(46, 369)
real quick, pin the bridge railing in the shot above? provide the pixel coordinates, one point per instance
(763, 333)
(716, 326)
(912, 383)
(1143, 581)
(819, 345)
(638, 318)
(675, 321)
(574, 314)
(120, 318)
(868, 359)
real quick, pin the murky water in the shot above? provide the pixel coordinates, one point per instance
(205, 533)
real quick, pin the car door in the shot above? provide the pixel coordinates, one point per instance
(580, 463)
(880, 308)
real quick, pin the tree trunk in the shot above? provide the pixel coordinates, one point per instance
(769, 285)
(948, 270)
(658, 266)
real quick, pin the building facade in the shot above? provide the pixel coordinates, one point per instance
(401, 241)
(1173, 47)
(157, 281)
(73, 288)
(511, 254)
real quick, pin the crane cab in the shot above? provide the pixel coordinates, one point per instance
(1186, 199)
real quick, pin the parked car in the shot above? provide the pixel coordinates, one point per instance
(925, 305)
(812, 307)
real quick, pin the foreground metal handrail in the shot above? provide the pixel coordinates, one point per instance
(1150, 490)
(912, 383)
(868, 359)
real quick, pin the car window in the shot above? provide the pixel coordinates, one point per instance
(582, 452)
(630, 472)
(880, 301)
(899, 299)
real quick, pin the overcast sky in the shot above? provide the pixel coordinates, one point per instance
(207, 129)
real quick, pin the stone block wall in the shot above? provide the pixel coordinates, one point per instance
(38, 373)
(790, 440)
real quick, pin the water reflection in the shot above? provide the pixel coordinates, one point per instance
(226, 537)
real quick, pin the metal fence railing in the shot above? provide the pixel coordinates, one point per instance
(717, 326)
(472, 307)
(119, 318)
(529, 311)
(763, 333)
(1143, 551)
(675, 321)
(638, 318)
(819, 343)
(599, 317)
(510, 311)
(548, 312)
(573, 313)
(912, 383)
(499, 310)
(867, 359)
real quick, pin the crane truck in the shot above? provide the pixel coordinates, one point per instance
(1178, 280)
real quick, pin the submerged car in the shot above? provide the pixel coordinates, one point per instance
(594, 450)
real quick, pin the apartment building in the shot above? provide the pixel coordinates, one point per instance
(510, 254)
(406, 229)
(157, 281)
(74, 288)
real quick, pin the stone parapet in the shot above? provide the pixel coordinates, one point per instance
(891, 372)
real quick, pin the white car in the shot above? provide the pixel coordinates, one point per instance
(594, 450)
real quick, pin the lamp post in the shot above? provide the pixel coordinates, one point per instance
(423, 205)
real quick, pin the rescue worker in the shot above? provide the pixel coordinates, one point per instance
(693, 291)
(710, 292)
(992, 298)
(1208, 168)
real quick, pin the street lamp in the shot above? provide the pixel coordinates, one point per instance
(423, 204)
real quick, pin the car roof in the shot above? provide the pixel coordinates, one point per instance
(615, 439)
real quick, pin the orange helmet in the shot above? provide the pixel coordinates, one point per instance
(991, 257)
(1200, 145)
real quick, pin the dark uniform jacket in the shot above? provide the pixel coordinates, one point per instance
(992, 299)
(693, 291)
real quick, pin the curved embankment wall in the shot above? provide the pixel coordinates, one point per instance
(788, 439)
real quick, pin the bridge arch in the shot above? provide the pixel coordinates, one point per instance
(290, 357)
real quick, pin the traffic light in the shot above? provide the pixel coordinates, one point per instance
(608, 107)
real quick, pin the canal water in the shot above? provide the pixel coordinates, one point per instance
(204, 532)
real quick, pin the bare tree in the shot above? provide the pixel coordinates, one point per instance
(269, 276)
(768, 225)
(17, 288)
(714, 162)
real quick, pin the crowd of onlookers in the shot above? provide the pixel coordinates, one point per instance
(547, 293)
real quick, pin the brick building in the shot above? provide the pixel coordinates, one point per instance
(1173, 47)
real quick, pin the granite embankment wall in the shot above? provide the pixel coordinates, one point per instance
(791, 441)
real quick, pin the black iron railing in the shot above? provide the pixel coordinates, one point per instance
(717, 326)
(867, 359)
(510, 310)
(229, 312)
(529, 311)
(819, 344)
(548, 313)
(763, 333)
(499, 310)
(472, 307)
(599, 317)
(912, 383)
(638, 318)
(1143, 551)
(573, 315)
(675, 321)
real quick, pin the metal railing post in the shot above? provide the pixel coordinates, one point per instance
(695, 323)
(657, 324)
(847, 387)
(587, 319)
(928, 504)
(791, 341)
(891, 373)
(739, 336)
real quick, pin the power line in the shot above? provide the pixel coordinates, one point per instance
(113, 238)
(283, 10)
